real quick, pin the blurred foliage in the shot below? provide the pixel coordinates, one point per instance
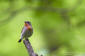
(58, 27)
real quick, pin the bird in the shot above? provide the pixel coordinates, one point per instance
(27, 31)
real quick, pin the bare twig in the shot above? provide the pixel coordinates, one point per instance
(29, 48)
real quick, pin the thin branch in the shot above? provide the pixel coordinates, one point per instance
(29, 48)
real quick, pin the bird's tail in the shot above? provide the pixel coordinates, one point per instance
(20, 40)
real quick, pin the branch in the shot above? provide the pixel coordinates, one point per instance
(29, 48)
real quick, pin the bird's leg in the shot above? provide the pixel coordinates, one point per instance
(26, 39)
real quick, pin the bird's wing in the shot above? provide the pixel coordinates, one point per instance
(23, 32)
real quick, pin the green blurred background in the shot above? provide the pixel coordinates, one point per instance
(59, 27)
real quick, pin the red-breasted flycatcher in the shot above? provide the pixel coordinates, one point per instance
(27, 31)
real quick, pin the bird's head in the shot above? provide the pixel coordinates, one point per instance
(28, 24)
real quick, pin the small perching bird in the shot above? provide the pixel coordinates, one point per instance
(27, 31)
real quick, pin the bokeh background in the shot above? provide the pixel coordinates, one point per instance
(59, 27)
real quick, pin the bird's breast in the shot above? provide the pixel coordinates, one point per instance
(28, 33)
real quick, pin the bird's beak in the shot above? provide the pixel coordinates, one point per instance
(25, 24)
